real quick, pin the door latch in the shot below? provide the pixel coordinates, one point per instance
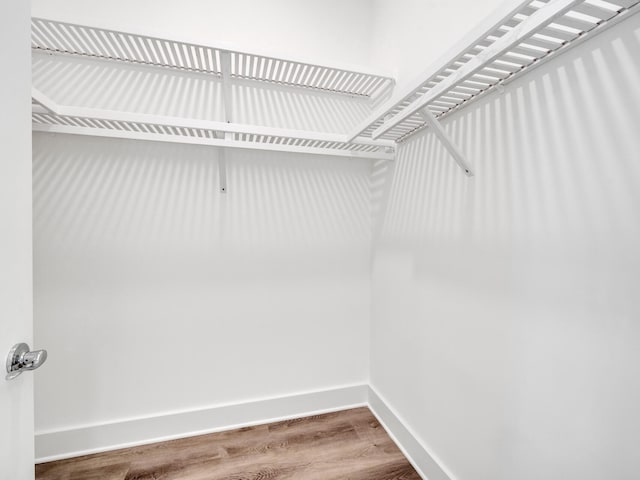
(20, 359)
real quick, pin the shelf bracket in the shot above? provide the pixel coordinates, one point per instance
(433, 84)
(222, 169)
(225, 74)
(222, 161)
(45, 102)
(446, 140)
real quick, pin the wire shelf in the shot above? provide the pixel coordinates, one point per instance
(54, 36)
(524, 37)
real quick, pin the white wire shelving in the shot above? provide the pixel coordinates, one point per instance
(61, 37)
(47, 116)
(513, 41)
(228, 66)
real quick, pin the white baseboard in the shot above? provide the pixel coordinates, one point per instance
(84, 440)
(74, 442)
(422, 460)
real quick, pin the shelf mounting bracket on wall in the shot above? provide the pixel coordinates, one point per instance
(225, 75)
(222, 169)
(446, 140)
(225, 67)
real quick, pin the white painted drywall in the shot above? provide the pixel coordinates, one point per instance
(16, 325)
(505, 307)
(155, 293)
(325, 32)
(504, 324)
(408, 35)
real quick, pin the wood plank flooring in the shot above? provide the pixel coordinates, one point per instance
(344, 445)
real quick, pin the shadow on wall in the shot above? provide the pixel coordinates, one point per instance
(137, 253)
(556, 163)
(566, 131)
(97, 83)
(92, 191)
(522, 281)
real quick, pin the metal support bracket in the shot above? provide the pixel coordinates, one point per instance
(222, 162)
(446, 140)
(222, 169)
(225, 73)
(225, 67)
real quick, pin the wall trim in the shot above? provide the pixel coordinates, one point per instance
(83, 440)
(64, 443)
(423, 460)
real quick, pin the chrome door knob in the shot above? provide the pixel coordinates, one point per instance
(20, 359)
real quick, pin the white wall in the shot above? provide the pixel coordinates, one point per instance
(505, 315)
(156, 293)
(325, 32)
(503, 306)
(409, 35)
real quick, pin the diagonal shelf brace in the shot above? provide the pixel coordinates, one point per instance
(446, 140)
(44, 101)
(530, 26)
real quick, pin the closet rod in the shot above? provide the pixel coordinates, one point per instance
(213, 142)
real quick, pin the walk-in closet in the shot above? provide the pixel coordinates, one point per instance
(320, 240)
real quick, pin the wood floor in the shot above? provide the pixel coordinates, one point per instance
(345, 445)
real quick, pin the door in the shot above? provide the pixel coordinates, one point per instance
(16, 396)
